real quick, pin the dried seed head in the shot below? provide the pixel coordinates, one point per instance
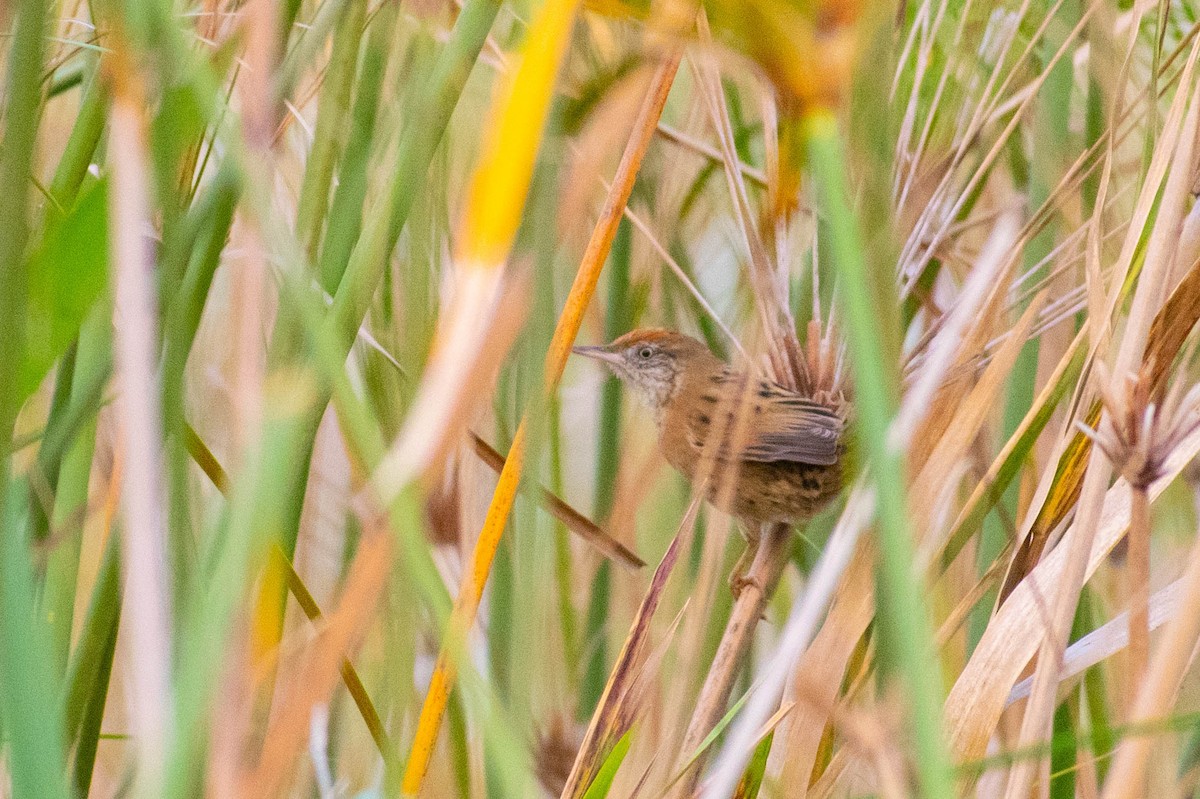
(1138, 435)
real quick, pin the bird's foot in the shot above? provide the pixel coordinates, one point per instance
(739, 581)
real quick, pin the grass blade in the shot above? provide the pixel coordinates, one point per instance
(564, 335)
(903, 616)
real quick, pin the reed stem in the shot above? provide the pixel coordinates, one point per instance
(762, 577)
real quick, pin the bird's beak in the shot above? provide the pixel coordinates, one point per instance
(599, 353)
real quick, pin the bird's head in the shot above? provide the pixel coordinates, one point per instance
(650, 361)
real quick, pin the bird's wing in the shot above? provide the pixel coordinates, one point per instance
(794, 429)
(780, 425)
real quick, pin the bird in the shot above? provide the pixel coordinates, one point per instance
(768, 454)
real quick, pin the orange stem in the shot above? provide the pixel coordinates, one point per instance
(474, 579)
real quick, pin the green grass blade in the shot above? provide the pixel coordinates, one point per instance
(68, 272)
(346, 211)
(71, 494)
(333, 107)
(35, 742)
(81, 146)
(602, 784)
(904, 620)
(420, 138)
(93, 717)
(752, 780)
(617, 320)
(84, 676)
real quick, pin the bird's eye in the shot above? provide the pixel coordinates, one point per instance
(645, 352)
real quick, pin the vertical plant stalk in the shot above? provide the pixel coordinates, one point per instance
(31, 727)
(358, 279)
(333, 109)
(615, 711)
(344, 219)
(258, 126)
(71, 495)
(100, 622)
(618, 319)
(475, 577)
(761, 578)
(904, 619)
(1148, 298)
(495, 200)
(249, 290)
(803, 621)
(85, 694)
(1127, 777)
(146, 596)
(1138, 573)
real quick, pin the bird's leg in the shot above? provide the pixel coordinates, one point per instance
(738, 579)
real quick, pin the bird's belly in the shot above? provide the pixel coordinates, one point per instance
(782, 491)
(761, 493)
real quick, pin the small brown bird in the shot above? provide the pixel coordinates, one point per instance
(777, 454)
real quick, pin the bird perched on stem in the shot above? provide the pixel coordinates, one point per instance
(766, 454)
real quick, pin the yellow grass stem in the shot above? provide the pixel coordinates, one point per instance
(570, 518)
(495, 199)
(475, 577)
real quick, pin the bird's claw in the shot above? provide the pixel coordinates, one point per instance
(739, 582)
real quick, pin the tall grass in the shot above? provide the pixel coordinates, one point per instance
(301, 494)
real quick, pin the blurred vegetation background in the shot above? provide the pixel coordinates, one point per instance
(282, 282)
